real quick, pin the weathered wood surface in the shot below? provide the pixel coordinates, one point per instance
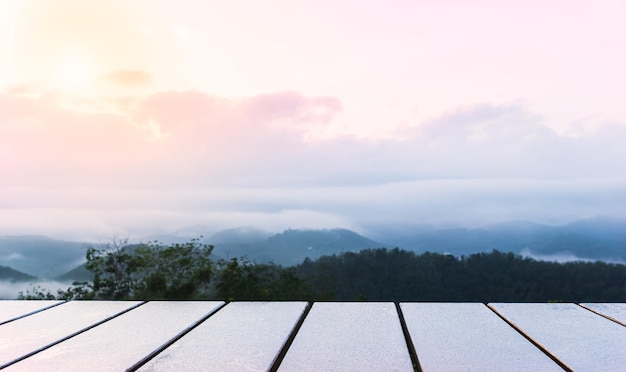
(579, 338)
(469, 337)
(122, 341)
(40, 330)
(355, 336)
(615, 312)
(298, 336)
(14, 309)
(243, 336)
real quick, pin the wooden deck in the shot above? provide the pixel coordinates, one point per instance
(298, 336)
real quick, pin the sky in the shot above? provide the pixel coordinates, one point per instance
(138, 117)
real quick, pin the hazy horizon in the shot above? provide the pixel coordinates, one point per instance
(142, 118)
(375, 232)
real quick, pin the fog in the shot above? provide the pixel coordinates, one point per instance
(258, 162)
(11, 290)
(421, 116)
(470, 203)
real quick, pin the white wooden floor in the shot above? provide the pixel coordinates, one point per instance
(298, 336)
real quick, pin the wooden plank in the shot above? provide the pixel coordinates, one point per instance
(614, 311)
(582, 340)
(26, 335)
(469, 337)
(123, 341)
(12, 309)
(349, 336)
(243, 336)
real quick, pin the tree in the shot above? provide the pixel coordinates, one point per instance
(36, 293)
(243, 280)
(151, 271)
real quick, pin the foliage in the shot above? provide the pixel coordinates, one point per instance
(245, 280)
(397, 275)
(78, 291)
(151, 271)
(179, 271)
(36, 293)
(186, 271)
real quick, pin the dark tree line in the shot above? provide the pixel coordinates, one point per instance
(187, 271)
(397, 275)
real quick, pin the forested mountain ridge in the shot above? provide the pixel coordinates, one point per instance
(594, 239)
(292, 246)
(188, 271)
(41, 256)
(11, 275)
(398, 275)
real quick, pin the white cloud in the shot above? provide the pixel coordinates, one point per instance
(10, 290)
(224, 163)
(469, 202)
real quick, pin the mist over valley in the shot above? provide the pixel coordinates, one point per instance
(26, 260)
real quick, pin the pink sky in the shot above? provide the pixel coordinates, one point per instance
(140, 117)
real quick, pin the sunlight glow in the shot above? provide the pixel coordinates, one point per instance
(74, 73)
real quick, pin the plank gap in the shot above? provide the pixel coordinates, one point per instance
(70, 336)
(283, 351)
(169, 343)
(532, 340)
(602, 315)
(417, 367)
(32, 312)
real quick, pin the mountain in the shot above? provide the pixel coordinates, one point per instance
(595, 239)
(77, 274)
(181, 235)
(239, 235)
(40, 255)
(289, 247)
(505, 237)
(10, 275)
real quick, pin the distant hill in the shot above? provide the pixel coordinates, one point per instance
(77, 274)
(239, 235)
(288, 248)
(40, 255)
(292, 246)
(11, 275)
(595, 239)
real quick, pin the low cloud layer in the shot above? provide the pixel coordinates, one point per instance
(11, 290)
(88, 214)
(175, 159)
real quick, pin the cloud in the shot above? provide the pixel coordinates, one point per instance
(484, 122)
(10, 290)
(562, 257)
(293, 107)
(21, 89)
(13, 256)
(174, 159)
(96, 214)
(169, 133)
(236, 140)
(181, 112)
(195, 139)
(129, 78)
(43, 143)
(508, 140)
